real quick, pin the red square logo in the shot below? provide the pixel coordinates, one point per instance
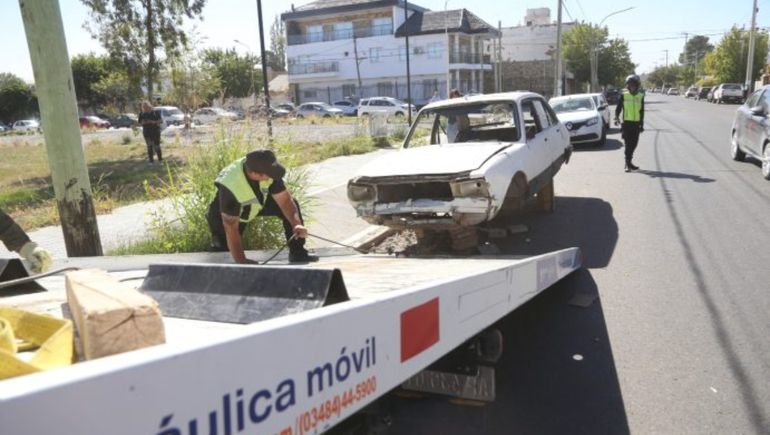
(419, 329)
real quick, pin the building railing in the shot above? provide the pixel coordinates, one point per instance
(314, 68)
(469, 58)
(337, 35)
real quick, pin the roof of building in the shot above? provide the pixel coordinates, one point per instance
(323, 7)
(458, 20)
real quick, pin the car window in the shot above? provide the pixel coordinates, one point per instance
(542, 117)
(478, 122)
(529, 116)
(754, 98)
(765, 101)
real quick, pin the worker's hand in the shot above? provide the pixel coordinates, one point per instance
(39, 259)
(300, 232)
(617, 122)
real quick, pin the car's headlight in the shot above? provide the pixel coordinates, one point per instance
(360, 192)
(593, 121)
(470, 188)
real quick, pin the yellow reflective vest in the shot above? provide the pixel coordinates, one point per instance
(632, 106)
(234, 179)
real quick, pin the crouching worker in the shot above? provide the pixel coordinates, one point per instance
(15, 239)
(240, 198)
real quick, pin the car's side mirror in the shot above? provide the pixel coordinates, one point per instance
(758, 111)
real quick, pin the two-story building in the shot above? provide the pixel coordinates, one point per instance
(357, 49)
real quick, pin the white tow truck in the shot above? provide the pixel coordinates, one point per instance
(280, 355)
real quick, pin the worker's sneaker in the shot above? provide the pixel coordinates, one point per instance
(633, 167)
(302, 257)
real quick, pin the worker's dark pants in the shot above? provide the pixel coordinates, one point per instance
(11, 234)
(217, 228)
(630, 132)
(153, 146)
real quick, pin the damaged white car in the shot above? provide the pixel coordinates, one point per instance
(464, 162)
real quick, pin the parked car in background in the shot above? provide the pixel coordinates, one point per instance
(581, 117)
(289, 107)
(604, 109)
(384, 105)
(673, 91)
(170, 115)
(4, 128)
(26, 125)
(317, 109)
(703, 93)
(262, 112)
(348, 107)
(750, 133)
(93, 122)
(692, 92)
(728, 92)
(207, 115)
(612, 95)
(507, 150)
(710, 95)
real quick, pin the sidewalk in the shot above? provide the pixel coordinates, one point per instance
(331, 216)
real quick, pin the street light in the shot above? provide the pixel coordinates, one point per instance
(594, 55)
(253, 83)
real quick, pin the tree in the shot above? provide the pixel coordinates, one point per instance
(614, 58)
(17, 98)
(116, 90)
(140, 31)
(87, 71)
(695, 50)
(727, 63)
(276, 58)
(235, 73)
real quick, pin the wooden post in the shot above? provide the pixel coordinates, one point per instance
(59, 116)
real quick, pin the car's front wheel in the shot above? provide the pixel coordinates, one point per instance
(735, 150)
(603, 139)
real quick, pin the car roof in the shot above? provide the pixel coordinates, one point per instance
(572, 97)
(484, 98)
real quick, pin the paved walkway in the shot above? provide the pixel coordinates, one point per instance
(332, 216)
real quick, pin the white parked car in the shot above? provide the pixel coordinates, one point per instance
(581, 117)
(604, 108)
(26, 125)
(207, 115)
(170, 115)
(464, 162)
(725, 92)
(385, 105)
(349, 108)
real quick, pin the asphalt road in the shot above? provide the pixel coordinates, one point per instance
(678, 338)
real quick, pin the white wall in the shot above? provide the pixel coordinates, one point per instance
(526, 43)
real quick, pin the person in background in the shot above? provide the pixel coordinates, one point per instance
(15, 239)
(456, 124)
(151, 121)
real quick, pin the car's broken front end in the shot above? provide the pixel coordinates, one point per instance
(420, 200)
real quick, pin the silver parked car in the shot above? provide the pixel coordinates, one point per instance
(321, 110)
(751, 130)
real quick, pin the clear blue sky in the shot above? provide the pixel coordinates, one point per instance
(226, 20)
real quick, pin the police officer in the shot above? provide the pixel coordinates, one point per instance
(631, 103)
(240, 198)
(15, 239)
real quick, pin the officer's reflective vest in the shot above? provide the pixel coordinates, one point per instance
(234, 179)
(632, 106)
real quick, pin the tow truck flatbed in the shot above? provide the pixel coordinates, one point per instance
(292, 374)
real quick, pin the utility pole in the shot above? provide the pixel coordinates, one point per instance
(750, 62)
(495, 65)
(59, 113)
(666, 58)
(500, 54)
(358, 67)
(265, 81)
(408, 74)
(557, 69)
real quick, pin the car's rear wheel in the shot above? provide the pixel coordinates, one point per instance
(300, 116)
(399, 114)
(766, 162)
(735, 150)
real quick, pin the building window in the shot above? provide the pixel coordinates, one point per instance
(402, 53)
(343, 30)
(382, 26)
(428, 87)
(309, 94)
(348, 91)
(315, 33)
(435, 50)
(374, 54)
(385, 89)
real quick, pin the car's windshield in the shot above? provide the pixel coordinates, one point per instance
(571, 104)
(731, 87)
(481, 122)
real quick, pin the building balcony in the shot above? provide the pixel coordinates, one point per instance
(315, 69)
(470, 58)
(338, 35)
